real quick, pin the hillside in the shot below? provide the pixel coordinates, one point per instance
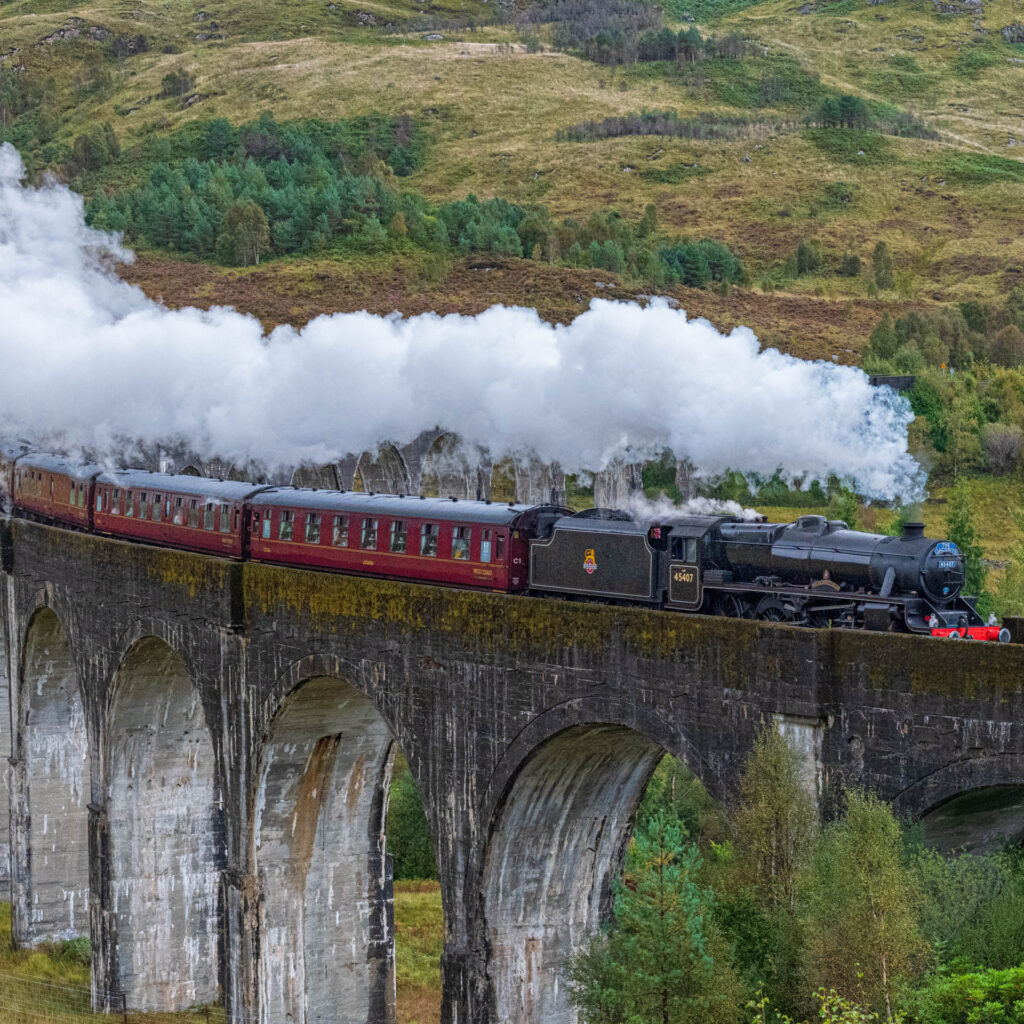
(490, 103)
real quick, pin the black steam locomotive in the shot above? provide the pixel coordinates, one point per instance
(813, 572)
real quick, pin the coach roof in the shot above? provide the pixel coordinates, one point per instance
(392, 505)
(200, 486)
(59, 464)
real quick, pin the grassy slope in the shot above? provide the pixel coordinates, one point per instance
(493, 113)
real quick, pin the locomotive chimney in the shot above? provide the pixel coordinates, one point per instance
(912, 531)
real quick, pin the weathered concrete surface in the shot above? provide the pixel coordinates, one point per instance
(324, 898)
(166, 840)
(530, 727)
(559, 840)
(51, 782)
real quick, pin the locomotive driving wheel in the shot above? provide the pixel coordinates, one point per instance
(771, 609)
(732, 605)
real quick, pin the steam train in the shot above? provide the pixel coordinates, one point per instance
(812, 572)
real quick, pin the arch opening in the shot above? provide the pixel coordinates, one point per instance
(166, 834)
(382, 471)
(558, 844)
(448, 471)
(326, 912)
(57, 773)
(324, 477)
(981, 820)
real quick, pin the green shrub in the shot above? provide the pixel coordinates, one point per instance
(972, 62)
(975, 997)
(850, 145)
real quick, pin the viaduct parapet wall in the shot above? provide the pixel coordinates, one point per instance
(200, 754)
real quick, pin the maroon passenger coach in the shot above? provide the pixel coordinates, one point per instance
(436, 540)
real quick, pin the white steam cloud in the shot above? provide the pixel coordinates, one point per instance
(90, 359)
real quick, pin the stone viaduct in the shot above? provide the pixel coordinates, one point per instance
(200, 753)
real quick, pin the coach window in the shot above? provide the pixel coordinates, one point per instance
(99, 499)
(158, 508)
(340, 538)
(313, 528)
(179, 511)
(284, 528)
(193, 513)
(225, 519)
(399, 537)
(129, 503)
(267, 516)
(499, 547)
(428, 540)
(461, 536)
(485, 546)
(208, 516)
(369, 538)
(143, 505)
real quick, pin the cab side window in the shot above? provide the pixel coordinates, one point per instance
(685, 549)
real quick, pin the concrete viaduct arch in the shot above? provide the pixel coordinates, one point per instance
(257, 710)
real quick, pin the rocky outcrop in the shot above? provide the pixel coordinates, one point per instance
(75, 28)
(1013, 33)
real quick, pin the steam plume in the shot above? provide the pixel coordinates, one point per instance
(90, 359)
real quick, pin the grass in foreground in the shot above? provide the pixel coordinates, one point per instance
(53, 979)
(419, 939)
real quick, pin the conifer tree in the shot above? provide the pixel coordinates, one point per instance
(662, 961)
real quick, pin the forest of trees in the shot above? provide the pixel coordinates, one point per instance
(239, 194)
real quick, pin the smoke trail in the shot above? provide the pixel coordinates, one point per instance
(88, 358)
